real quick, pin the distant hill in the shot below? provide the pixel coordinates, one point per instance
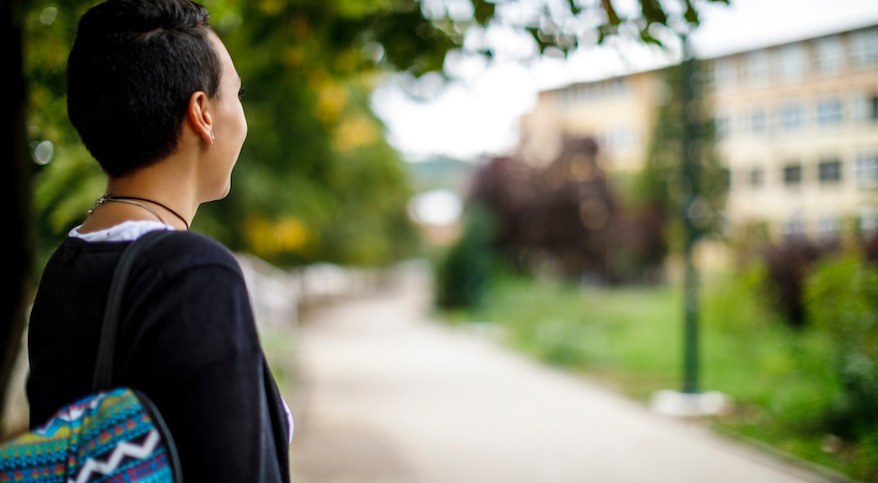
(442, 173)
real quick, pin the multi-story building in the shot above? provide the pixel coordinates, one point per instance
(798, 128)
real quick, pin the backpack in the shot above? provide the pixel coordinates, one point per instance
(111, 435)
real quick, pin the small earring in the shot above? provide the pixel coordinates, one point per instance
(212, 139)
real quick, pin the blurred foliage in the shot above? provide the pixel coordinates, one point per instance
(465, 272)
(66, 187)
(585, 327)
(842, 300)
(316, 179)
(740, 303)
(832, 287)
(660, 183)
(564, 219)
(552, 219)
(789, 265)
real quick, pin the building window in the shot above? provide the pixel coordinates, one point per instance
(576, 92)
(828, 59)
(829, 227)
(829, 112)
(757, 69)
(868, 220)
(865, 107)
(792, 63)
(758, 121)
(792, 174)
(757, 177)
(564, 95)
(588, 91)
(618, 86)
(620, 137)
(830, 171)
(724, 74)
(792, 117)
(867, 170)
(723, 122)
(794, 226)
(864, 48)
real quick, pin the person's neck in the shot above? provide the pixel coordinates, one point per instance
(169, 192)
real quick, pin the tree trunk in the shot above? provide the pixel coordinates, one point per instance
(15, 196)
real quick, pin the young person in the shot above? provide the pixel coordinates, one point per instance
(154, 95)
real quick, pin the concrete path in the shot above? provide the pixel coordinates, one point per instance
(391, 397)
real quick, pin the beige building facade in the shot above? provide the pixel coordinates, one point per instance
(797, 123)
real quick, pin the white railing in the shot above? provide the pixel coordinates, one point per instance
(277, 295)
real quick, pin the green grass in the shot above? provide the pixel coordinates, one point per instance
(631, 338)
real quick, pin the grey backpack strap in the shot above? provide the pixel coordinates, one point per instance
(103, 374)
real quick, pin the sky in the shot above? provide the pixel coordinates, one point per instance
(478, 111)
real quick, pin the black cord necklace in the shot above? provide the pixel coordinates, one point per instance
(133, 200)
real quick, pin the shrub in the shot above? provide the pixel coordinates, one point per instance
(565, 219)
(866, 465)
(464, 274)
(841, 298)
(788, 266)
(739, 302)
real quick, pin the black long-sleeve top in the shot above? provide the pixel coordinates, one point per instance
(187, 338)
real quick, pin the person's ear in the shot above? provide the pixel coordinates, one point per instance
(199, 118)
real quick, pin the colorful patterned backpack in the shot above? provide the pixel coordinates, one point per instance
(112, 435)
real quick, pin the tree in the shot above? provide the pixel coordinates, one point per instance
(660, 184)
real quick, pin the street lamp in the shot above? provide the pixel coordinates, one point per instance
(691, 401)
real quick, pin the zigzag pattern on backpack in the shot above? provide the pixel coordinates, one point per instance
(117, 455)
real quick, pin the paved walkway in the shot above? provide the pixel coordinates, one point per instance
(391, 397)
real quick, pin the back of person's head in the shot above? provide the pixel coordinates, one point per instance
(133, 67)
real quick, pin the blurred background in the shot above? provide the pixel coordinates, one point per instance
(544, 176)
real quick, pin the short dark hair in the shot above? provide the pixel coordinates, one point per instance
(133, 67)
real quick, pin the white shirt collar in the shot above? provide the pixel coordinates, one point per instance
(126, 231)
